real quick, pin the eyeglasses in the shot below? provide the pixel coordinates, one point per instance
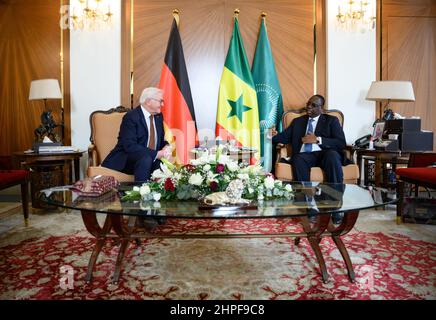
(158, 100)
(312, 105)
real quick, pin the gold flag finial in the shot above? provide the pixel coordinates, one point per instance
(176, 15)
(236, 12)
(263, 14)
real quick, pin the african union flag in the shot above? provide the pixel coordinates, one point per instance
(237, 114)
(269, 96)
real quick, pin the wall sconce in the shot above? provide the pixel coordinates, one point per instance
(356, 16)
(90, 14)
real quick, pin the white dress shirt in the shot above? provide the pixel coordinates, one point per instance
(315, 146)
(147, 120)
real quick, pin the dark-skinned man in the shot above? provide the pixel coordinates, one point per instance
(317, 140)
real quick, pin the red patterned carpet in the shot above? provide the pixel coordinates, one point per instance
(387, 267)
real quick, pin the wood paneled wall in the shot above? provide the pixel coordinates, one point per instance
(205, 29)
(408, 43)
(30, 46)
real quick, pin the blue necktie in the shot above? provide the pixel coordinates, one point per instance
(308, 146)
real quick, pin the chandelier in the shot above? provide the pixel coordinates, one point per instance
(356, 16)
(90, 14)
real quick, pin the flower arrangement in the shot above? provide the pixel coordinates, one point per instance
(206, 175)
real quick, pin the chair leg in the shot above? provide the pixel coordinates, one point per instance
(25, 201)
(400, 197)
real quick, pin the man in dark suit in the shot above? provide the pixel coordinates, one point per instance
(141, 140)
(317, 140)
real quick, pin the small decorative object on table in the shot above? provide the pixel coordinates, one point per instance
(95, 186)
(209, 174)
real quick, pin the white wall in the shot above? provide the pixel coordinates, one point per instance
(95, 75)
(351, 67)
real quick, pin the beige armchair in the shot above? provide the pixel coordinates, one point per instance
(105, 126)
(283, 170)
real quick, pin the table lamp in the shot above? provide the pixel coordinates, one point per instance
(397, 91)
(42, 90)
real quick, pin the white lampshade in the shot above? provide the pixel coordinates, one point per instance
(45, 89)
(400, 91)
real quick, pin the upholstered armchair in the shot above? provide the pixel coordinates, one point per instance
(105, 126)
(283, 170)
(420, 172)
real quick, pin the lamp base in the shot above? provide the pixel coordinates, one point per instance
(388, 114)
(46, 128)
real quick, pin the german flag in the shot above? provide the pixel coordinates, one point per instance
(178, 111)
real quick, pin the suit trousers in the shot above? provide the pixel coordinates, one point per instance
(329, 160)
(141, 165)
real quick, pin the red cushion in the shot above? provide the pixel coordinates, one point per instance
(418, 174)
(10, 176)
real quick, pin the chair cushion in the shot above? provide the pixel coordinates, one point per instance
(10, 176)
(418, 174)
(284, 172)
(121, 177)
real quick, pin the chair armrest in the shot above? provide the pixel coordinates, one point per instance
(282, 151)
(92, 156)
(349, 151)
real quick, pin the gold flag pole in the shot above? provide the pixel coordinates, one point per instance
(236, 13)
(263, 17)
(176, 16)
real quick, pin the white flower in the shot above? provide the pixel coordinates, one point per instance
(288, 187)
(250, 190)
(135, 188)
(243, 176)
(224, 159)
(196, 179)
(269, 182)
(260, 196)
(206, 167)
(156, 196)
(233, 166)
(144, 190)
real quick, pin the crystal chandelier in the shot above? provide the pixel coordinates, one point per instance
(90, 14)
(356, 16)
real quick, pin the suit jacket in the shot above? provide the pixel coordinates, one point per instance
(328, 128)
(133, 138)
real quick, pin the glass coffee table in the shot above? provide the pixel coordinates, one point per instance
(323, 210)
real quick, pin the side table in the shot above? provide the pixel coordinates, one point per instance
(49, 170)
(381, 160)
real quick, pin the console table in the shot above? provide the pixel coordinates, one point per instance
(48, 170)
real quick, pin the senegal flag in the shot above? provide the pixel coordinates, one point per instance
(269, 96)
(237, 114)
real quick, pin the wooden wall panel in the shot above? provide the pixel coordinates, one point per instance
(409, 53)
(29, 49)
(205, 29)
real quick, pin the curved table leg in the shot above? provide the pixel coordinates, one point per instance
(314, 237)
(90, 220)
(121, 253)
(124, 231)
(347, 224)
